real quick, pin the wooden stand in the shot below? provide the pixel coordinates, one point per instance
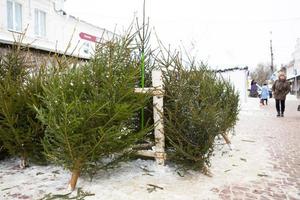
(158, 92)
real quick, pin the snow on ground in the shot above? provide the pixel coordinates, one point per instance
(241, 164)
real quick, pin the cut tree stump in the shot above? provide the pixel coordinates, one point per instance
(74, 178)
(226, 138)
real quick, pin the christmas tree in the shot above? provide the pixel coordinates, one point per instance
(3, 151)
(198, 107)
(20, 130)
(89, 110)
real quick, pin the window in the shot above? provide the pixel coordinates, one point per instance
(40, 22)
(86, 47)
(14, 16)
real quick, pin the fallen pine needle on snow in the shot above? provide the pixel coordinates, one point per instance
(79, 196)
(153, 188)
(252, 141)
(262, 175)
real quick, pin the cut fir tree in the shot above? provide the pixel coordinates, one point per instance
(89, 110)
(20, 130)
(198, 107)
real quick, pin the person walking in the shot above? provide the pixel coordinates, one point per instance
(264, 96)
(253, 89)
(280, 89)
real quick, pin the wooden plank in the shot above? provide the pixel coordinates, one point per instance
(154, 91)
(158, 92)
(160, 155)
(147, 153)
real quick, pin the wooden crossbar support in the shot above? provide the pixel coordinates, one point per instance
(152, 90)
(157, 91)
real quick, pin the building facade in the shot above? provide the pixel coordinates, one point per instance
(293, 70)
(48, 28)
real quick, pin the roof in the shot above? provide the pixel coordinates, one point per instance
(231, 69)
(41, 49)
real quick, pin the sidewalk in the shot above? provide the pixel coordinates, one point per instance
(292, 97)
(275, 142)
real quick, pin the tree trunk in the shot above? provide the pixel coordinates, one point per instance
(74, 178)
(23, 162)
(75, 174)
(226, 138)
(206, 171)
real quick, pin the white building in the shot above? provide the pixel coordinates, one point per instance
(293, 70)
(239, 79)
(48, 28)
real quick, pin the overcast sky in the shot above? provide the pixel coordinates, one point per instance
(224, 33)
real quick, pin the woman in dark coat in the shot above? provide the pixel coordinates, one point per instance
(280, 89)
(253, 89)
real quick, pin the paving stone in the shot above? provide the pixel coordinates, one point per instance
(281, 139)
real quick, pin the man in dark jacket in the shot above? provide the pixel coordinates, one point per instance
(280, 89)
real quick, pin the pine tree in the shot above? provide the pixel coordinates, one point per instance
(3, 151)
(88, 110)
(198, 107)
(20, 130)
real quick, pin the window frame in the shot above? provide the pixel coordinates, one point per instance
(40, 23)
(14, 26)
(86, 46)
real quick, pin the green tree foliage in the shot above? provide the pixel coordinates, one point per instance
(89, 109)
(198, 107)
(229, 107)
(3, 151)
(20, 130)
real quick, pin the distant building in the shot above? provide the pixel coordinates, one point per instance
(48, 28)
(293, 69)
(239, 79)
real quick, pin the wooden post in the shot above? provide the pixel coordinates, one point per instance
(158, 93)
(157, 82)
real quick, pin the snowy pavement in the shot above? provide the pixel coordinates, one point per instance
(278, 139)
(264, 163)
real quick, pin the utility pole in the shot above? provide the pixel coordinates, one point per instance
(296, 82)
(272, 55)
